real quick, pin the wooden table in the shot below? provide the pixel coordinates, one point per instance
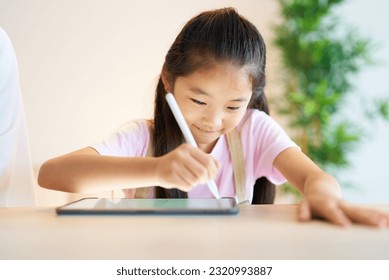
(257, 232)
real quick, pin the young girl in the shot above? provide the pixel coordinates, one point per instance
(216, 71)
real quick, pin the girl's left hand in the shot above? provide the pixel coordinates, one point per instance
(322, 193)
(340, 212)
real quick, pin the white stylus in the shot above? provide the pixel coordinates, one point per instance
(187, 135)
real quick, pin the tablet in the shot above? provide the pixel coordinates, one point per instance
(149, 206)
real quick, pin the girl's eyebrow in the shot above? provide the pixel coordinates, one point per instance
(201, 92)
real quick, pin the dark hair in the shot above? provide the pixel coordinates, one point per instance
(211, 38)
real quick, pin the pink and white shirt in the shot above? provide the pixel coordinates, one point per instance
(262, 140)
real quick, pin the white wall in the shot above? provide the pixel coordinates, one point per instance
(87, 66)
(368, 174)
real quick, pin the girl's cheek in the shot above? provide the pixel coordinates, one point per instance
(238, 118)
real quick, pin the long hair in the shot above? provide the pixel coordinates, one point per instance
(212, 37)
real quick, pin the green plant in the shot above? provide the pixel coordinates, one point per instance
(319, 62)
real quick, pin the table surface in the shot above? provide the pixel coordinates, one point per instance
(257, 232)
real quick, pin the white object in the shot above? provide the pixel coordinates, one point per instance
(187, 135)
(17, 186)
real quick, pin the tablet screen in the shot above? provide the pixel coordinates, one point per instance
(150, 206)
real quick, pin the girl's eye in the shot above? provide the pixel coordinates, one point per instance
(198, 102)
(233, 108)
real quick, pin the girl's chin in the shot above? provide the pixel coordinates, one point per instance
(206, 146)
(206, 139)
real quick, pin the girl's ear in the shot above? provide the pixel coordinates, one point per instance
(165, 81)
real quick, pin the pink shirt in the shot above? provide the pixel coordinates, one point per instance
(262, 140)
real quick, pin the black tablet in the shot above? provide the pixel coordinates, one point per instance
(103, 206)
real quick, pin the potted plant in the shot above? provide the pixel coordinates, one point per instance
(319, 62)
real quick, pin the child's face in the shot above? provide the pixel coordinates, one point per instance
(213, 101)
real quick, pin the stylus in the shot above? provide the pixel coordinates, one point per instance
(187, 135)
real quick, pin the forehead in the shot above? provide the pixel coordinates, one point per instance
(225, 74)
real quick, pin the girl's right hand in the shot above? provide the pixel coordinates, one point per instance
(185, 167)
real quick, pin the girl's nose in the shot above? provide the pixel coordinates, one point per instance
(212, 119)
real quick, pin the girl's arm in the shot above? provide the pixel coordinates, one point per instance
(322, 193)
(87, 171)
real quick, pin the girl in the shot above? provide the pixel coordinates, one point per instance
(216, 71)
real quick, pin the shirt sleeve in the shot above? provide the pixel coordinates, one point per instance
(263, 140)
(131, 140)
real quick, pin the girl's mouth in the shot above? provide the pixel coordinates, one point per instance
(208, 130)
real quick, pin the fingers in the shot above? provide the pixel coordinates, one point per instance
(329, 211)
(361, 215)
(186, 176)
(335, 215)
(204, 164)
(201, 166)
(340, 212)
(304, 212)
(186, 167)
